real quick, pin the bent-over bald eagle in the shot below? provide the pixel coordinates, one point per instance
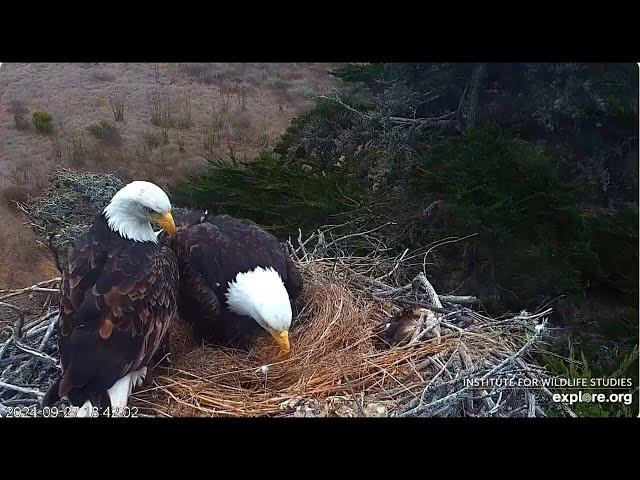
(119, 293)
(235, 281)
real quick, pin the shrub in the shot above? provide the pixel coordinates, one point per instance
(533, 237)
(184, 116)
(181, 143)
(210, 136)
(43, 122)
(241, 94)
(575, 366)
(370, 74)
(313, 133)
(19, 172)
(202, 72)
(164, 160)
(162, 110)
(103, 76)
(506, 191)
(107, 133)
(117, 102)
(56, 147)
(152, 139)
(18, 109)
(295, 198)
(613, 239)
(77, 151)
(240, 127)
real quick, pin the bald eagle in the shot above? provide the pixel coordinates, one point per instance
(236, 281)
(119, 292)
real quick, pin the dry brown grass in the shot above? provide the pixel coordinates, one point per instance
(12, 194)
(248, 113)
(117, 102)
(19, 110)
(182, 99)
(21, 258)
(335, 352)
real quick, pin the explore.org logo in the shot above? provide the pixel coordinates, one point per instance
(616, 390)
(586, 397)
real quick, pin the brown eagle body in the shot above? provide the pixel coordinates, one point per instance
(210, 255)
(118, 297)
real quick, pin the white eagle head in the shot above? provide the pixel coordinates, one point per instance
(133, 208)
(261, 295)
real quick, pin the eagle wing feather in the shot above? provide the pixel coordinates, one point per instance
(117, 300)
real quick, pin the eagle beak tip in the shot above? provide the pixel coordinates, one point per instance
(283, 342)
(165, 221)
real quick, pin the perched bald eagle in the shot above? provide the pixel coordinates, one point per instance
(119, 292)
(236, 281)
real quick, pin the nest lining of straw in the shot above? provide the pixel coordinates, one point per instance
(339, 366)
(335, 353)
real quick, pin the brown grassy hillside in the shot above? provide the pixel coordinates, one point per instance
(151, 121)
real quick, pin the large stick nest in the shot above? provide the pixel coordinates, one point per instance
(371, 338)
(342, 363)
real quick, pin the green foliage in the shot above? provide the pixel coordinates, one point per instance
(618, 85)
(373, 75)
(43, 122)
(533, 238)
(619, 322)
(505, 190)
(326, 118)
(106, 132)
(626, 366)
(613, 239)
(358, 103)
(279, 196)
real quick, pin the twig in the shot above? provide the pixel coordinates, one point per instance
(34, 288)
(48, 333)
(16, 388)
(353, 392)
(439, 244)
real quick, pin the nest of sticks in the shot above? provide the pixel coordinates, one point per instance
(344, 362)
(371, 336)
(29, 360)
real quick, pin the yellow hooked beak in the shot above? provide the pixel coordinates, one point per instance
(282, 339)
(165, 222)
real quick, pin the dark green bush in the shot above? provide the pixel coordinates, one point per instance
(318, 124)
(613, 239)
(580, 366)
(43, 122)
(106, 132)
(279, 196)
(533, 239)
(375, 76)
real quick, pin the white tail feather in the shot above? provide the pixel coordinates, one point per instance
(118, 393)
(85, 410)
